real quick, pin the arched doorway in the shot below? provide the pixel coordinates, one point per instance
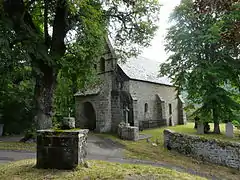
(90, 115)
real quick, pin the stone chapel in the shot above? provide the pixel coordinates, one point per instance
(130, 91)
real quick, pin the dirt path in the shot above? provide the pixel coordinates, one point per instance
(100, 149)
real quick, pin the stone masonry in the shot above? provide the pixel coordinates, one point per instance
(213, 151)
(149, 99)
(63, 149)
(128, 132)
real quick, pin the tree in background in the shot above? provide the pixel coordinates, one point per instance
(201, 63)
(68, 35)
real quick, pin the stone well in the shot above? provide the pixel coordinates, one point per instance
(61, 149)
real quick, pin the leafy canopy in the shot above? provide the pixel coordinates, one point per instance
(201, 63)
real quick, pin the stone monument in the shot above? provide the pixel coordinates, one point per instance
(200, 128)
(68, 122)
(229, 130)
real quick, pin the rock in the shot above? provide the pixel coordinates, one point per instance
(154, 144)
(148, 140)
(86, 164)
(68, 123)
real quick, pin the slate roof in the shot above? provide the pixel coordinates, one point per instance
(139, 68)
(89, 91)
(143, 69)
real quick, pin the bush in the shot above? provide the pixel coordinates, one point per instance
(236, 123)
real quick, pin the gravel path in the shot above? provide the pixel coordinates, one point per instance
(100, 149)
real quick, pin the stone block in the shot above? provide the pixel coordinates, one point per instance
(61, 149)
(128, 132)
(229, 130)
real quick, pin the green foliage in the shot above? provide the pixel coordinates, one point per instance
(16, 94)
(201, 64)
(236, 123)
(59, 41)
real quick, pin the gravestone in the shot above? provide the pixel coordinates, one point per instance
(229, 130)
(200, 128)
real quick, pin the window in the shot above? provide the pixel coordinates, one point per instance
(102, 65)
(146, 107)
(170, 108)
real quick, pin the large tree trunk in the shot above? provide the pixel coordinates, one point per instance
(24, 27)
(216, 122)
(216, 128)
(44, 91)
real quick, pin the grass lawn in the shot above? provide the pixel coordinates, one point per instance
(24, 170)
(144, 150)
(189, 129)
(4, 145)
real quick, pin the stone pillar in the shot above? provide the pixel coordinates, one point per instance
(135, 113)
(182, 119)
(164, 113)
(62, 149)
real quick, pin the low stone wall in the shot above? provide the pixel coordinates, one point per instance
(61, 149)
(214, 151)
(128, 133)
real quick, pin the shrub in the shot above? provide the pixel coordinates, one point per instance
(236, 123)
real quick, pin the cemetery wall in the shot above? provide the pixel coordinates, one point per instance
(214, 151)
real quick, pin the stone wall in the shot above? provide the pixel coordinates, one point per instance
(61, 149)
(146, 92)
(213, 151)
(128, 132)
(117, 112)
(101, 101)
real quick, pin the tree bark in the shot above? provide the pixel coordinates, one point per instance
(216, 128)
(47, 71)
(216, 122)
(44, 91)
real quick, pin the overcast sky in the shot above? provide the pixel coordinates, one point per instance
(156, 50)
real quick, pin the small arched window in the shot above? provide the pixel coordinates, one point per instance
(102, 65)
(146, 107)
(170, 108)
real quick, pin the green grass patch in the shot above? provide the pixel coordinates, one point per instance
(24, 170)
(146, 151)
(189, 129)
(17, 146)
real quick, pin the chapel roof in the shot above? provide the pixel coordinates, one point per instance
(143, 69)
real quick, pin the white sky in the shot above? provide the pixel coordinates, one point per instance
(156, 50)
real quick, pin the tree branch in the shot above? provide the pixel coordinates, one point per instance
(47, 37)
(60, 27)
